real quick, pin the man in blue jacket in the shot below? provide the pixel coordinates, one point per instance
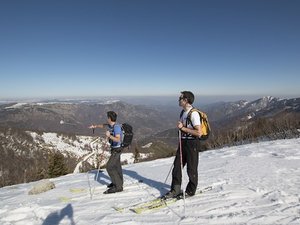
(113, 166)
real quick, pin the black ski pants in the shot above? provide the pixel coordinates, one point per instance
(190, 157)
(114, 168)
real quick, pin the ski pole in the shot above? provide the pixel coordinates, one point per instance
(92, 192)
(103, 149)
(181, 165)
(100, 164)
(93, 189)
(169, 173)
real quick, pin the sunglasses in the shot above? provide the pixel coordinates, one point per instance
(180, 98)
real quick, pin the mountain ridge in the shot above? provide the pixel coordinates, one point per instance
(232, 123)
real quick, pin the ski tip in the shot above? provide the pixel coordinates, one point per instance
(118, 209)
(137, 211)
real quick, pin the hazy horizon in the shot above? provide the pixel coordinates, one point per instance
(142, 100)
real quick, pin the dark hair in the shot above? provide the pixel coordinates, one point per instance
(189, 96)
(112, 115)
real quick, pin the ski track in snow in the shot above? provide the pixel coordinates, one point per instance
(259, 183)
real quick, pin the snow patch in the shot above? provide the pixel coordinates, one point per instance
(16, 106)
(147, 145)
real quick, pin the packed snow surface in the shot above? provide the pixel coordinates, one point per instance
(257, 183)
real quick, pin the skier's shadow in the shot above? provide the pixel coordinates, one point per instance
(102, 178)
(55, 217)
(161, 187)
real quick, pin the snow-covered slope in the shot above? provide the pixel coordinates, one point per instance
(258, 184)
(80, 147)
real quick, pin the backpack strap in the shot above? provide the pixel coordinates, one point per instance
(188, 118)
(182, 111)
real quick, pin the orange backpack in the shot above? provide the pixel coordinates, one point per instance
(205, 127)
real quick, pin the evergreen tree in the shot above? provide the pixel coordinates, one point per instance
(57, 166)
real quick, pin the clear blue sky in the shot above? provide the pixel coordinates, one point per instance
(149, 47)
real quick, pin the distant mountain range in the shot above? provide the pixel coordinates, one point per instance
(74, 116)
(227, 118)
(224, 113)
(154, 128)
(266, 106)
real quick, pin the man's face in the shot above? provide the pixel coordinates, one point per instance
(181, 101)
